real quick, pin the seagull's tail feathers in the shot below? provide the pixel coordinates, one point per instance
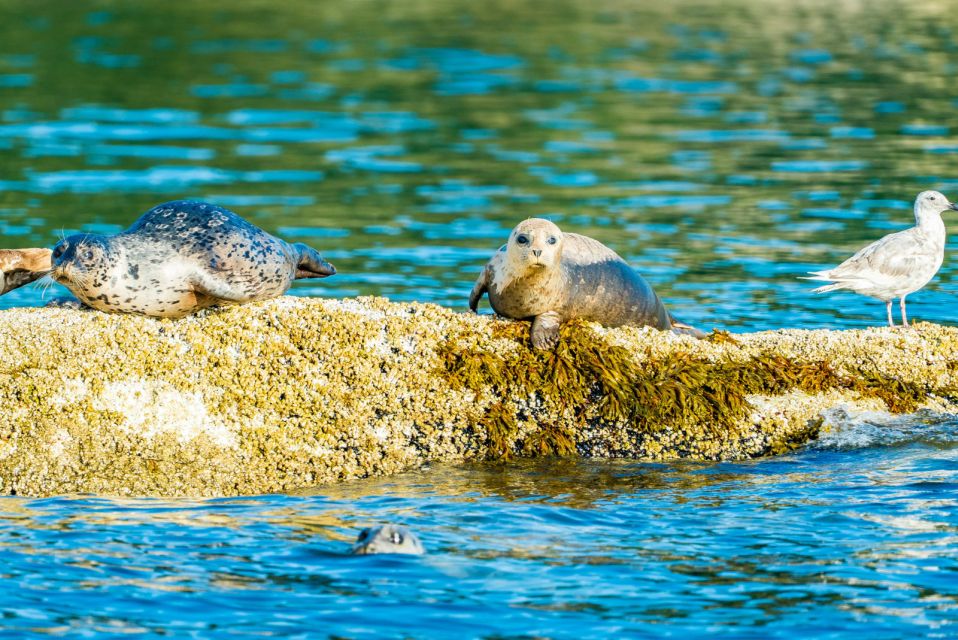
(827, 276)
(831, 287)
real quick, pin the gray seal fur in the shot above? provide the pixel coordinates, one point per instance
(180, 257)
(387, 538)
(550, 277)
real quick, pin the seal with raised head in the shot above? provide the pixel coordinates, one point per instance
(180, 257)
(22, 266)
(549, 277)
(387, 538)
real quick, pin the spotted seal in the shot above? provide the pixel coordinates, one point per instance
(22, 266)
(387, 538)
(550, 277)
(180, 257)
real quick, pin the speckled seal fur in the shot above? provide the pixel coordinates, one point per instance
(22, 266)
(180, 257)
(549, 277)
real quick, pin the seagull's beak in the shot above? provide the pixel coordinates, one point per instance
(953, 206)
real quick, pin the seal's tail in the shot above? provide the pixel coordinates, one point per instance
(22, 266)
(311, 264)
(681, 328)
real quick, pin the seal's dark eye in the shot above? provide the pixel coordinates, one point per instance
(522, 239)
(552, 240)
(58, 250)
(88, 254)
(363, 534)
(396, 538)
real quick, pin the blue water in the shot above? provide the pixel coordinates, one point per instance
(723, 149)
(854, 535)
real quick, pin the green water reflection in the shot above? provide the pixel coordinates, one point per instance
(723, 148)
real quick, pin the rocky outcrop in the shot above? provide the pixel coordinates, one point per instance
(294, 392)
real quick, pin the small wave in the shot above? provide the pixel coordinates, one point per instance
(846, 430)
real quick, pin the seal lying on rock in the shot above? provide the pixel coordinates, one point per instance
(22, 266)
(180, 257)
(387, 538)
(550, 277)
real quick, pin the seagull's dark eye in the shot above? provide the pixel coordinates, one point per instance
(552, 240)
(522, 239)
(931, 197)
(396, 537)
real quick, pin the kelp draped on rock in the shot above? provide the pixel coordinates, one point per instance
(294, 392)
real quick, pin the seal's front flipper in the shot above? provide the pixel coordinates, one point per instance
(206, 285)
(481, 286)
(22, 266)
(311, 264)
(545, 330)
(683, 329)
(63, 302)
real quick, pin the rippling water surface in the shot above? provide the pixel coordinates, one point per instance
(857, 533)
(723, 148)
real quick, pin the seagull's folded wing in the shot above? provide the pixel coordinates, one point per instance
(894, 256)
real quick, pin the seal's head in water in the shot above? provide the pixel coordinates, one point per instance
(22, 266)
(180, 257)
(387, 538)
(549, 277)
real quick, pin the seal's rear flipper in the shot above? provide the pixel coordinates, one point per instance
(683, 329)
(22, 266)
(311, 264)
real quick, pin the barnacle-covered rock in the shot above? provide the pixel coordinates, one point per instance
(294, 392)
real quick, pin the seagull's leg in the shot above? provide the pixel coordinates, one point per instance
(891, 321)
(904, 317)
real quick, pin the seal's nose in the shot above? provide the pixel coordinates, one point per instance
(537, 252)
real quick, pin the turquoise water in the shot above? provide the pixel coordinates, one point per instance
(722, 148)
(856, 534)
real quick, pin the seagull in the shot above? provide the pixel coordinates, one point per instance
(898, 264)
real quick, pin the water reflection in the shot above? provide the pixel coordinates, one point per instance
(719, 116)
(813, 540)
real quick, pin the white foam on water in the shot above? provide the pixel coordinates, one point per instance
(844, 429)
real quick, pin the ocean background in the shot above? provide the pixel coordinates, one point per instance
(722, 148)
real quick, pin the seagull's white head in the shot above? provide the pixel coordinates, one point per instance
(931, 204)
